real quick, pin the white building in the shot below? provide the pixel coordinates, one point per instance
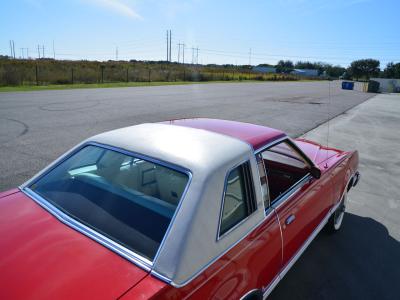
(305, 72)
(387, 85)
(262, 69)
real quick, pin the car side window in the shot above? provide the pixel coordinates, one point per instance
(284, 166)
(239, 198)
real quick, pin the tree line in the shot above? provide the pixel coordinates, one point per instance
(358, 69)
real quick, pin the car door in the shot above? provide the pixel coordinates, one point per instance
(300, 201)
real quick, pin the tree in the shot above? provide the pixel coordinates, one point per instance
(364, 68)
(320, 66)
(335, 71)
(265, 65)
(392, 70)
(284, 66)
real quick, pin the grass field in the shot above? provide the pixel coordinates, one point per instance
(28, 88)
(45, 74)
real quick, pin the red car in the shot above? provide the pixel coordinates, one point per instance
(192, 208)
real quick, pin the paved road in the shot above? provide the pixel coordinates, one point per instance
(362, 261)
(36, 127)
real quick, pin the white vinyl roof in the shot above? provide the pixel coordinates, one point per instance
(190, 148)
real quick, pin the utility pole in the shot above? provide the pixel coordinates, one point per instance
(116, 53)
(179, 51)
(170, 42)
(183, 53)
(43, 51)
(38, 51)
(167, 46)
(54, 52)
(13, 48)
(192, 55)
(197, 55)
(11, 52)
(250, 57)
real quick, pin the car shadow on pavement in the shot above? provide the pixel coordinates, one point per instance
(361, 261)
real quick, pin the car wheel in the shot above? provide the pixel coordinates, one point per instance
(335, 221)
(253, 295)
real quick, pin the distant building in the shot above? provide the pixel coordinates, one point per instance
(388, 85)
(262, 69)
(305, 72)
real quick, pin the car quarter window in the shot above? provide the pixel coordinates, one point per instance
(239, 198)
(284, 167)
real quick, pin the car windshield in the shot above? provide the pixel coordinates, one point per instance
(128, 199)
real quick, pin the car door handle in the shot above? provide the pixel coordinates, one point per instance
(290, 219)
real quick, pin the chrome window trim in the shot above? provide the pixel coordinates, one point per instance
(219, 237)
(133, 257)
(126, 253)
(291, 143)
(260, 184)
(291, 191)
(270, 144)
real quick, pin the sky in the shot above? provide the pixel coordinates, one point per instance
(226, 32)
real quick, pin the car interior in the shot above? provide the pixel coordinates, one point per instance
(128, 199)
(284, 168)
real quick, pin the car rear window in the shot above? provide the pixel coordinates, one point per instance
(126, 198)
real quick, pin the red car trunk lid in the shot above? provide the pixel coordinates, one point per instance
(42, 258)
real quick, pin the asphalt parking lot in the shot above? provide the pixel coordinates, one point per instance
(36, 127)
(360, 262)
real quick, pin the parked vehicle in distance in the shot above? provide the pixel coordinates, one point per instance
(191, 208)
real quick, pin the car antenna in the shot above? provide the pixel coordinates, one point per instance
(329, 119)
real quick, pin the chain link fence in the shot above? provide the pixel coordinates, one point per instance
(46, 72)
